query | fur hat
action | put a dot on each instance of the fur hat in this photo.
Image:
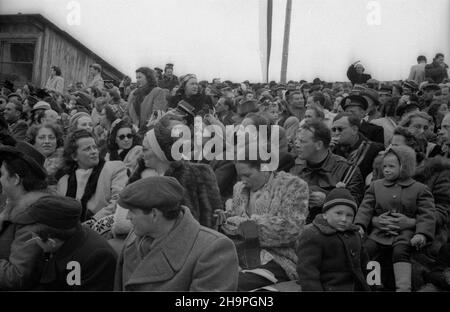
(339, 196)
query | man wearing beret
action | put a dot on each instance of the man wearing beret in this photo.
(168, 250)
(65, 242)
(23, 181)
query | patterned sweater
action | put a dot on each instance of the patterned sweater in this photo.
(280, 209)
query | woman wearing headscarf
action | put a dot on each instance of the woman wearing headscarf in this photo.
(146, 98)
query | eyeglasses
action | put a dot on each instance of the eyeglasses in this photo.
(123, 136)
(339, 129)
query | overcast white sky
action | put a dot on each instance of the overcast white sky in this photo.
(220, 38)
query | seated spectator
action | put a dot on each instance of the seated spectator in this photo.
(324, 263)
(63, 241)
(96, 183)
(48, 140)
(122, 145)
(278, 203)
(168, 250)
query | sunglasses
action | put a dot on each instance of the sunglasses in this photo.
(340, 129)
(123, 136)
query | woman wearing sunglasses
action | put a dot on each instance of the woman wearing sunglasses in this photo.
(123, 145)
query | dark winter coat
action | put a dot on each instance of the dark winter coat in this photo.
(329, 260)
(356, 78)
(436, 72)
(366, 165)
(333, 170)
(435, 173)
(372, 132)
(202, 193)
(97, 261)
(226, 177)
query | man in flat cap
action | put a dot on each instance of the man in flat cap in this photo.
(357, 104)
(168, 250)
(429, 91)
(168, 80)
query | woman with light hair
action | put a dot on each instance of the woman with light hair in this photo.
(419, 124)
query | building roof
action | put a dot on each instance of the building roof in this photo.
(33, 18)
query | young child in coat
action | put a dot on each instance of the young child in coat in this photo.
(329, 250)
(397, 193)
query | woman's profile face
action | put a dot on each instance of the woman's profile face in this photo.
(141, 80)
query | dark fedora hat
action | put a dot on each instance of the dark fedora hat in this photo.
(27, 153)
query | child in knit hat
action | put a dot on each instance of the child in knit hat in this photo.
(395, 195)
(329, 250)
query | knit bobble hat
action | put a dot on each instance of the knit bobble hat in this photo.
(339, 196)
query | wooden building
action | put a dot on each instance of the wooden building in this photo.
(30, 44)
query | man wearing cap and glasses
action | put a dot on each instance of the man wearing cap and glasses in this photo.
(168, 80)
(23, 181)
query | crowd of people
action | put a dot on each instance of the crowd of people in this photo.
(88, 176)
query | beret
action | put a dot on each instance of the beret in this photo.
(164, 193)
(56, 211)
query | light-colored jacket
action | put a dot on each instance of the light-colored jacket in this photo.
(190, 258)
(96, 82)
(389, 125)
(417, 73)
(55, 84)
(280, 211)
(111, 182)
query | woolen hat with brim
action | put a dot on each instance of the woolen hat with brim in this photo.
(58, 212)
(337, 197)
(354, 100)
(164, 193)
(27, 153)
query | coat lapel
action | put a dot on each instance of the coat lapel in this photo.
(168, 256)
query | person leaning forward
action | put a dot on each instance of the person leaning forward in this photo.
(168, 250)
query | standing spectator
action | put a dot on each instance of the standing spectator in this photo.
(296, 105)
(437, 71)
(168, 80)
(16, 126)
(55, 82)
(95, 79)
(355, 74)
(168, 250)
(146, 99)
(417, 72)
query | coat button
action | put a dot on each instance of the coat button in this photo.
(395, 196)
(353, 253)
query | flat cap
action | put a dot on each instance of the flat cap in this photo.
(164, 193)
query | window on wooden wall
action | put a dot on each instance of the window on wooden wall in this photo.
(16, 60)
